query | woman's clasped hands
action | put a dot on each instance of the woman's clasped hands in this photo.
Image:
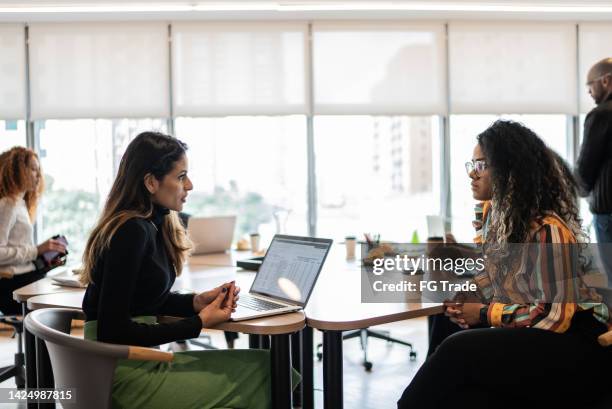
(464, 314)
(216, 306)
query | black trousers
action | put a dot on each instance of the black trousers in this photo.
(440, 328)
(514, 368)
(8, 306)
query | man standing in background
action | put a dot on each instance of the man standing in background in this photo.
(594, 167)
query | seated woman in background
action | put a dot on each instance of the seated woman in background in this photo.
(131, 261)
(543, 350)
(21, 185)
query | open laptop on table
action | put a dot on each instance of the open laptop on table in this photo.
(286, 277)
(211, 234)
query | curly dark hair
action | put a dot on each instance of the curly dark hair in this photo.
(528, 182)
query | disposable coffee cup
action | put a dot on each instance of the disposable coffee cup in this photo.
(254, 242)
(350, 243)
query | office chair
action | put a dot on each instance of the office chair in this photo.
(17, 370)
(363, 335)
(72, 358)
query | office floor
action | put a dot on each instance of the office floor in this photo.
(380, 388)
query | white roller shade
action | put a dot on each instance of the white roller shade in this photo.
(12, 72)
(506, 68)
(99, 70)
(239, 68)
(595, 44)
(379, 68)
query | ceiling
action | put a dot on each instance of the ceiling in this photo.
(69, 10)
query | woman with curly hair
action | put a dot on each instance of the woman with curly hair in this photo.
(545, 321)
(21, 186)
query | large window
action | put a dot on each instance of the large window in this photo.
(377, 175)
(79, 160)
(377, 168)
(253, 167)
(463, 131)
(12, 133)
(241, 93)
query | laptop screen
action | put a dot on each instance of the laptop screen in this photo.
(291, 267)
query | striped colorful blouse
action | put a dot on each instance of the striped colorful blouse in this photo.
(556, 310)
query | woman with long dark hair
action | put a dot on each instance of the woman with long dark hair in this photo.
(542, 350)
(21, 262)
(131, 260)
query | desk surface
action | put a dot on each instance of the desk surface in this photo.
(43, 286)
(227, 259)
(194, 278)
(278, 324)
(195, 264)
(185, 282)
(336, 303)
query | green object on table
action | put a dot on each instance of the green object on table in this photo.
(415, 237)
(216, 379)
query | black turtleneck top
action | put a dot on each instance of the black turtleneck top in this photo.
(133, 278)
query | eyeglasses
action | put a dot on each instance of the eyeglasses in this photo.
(594, 80)
(478, 166)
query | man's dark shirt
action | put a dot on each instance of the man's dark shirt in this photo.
(594, 167)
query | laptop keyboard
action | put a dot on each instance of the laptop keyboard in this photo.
(258, 304)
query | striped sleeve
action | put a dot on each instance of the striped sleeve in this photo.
(554, 276)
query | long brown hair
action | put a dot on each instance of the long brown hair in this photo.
(149, 153)
(15, 177)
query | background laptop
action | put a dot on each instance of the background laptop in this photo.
(211, 234)
(286, 277)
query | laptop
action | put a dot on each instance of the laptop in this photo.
(211, 234)
(286, 277)
(67, 276)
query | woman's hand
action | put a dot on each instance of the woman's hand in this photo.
(58, 261)
(454, 311)
(201, 300)
(51, 245)
(220, 309)
(465, 315)
(471, 313)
